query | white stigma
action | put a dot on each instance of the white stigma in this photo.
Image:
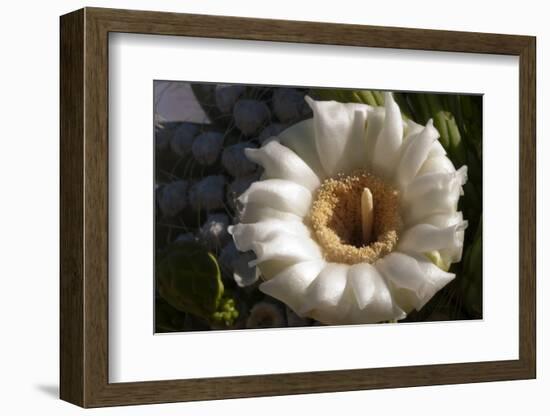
(367, 214)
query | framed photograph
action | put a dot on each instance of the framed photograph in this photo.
(256, 207)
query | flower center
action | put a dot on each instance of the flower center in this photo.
(355, 218)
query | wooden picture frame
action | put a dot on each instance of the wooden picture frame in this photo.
(84, 207)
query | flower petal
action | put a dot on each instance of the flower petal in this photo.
(245, 235)
(438, 163)
(388, 144)
(434, 193)
(339, 134)
(373, 298)
(444, 220)
(435, 181)
(252, 213)
(452, 254)
(414, 154)
(423, 238)
(410, 128)
(280, 162)
(300, 138)
(278, 194)
(289, 285)
(437, 150)
(413, 279)
(284, 247)
(375, 122)
(322, 300)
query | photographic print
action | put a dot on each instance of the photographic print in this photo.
(248, 203)
(280, 206)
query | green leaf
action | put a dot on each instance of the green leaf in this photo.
(189, 279)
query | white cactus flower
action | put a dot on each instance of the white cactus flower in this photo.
(207, 147)
(351, 207)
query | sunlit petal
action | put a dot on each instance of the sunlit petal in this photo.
(451, 254)
(322, 299)
(430, 194)
(410, 129)
(285, 247)
(375, 122)
(414, 154)
(289, 285)
(438, 163)
(413, 279)
(372, 295)
(280, 162)
(279, 194)
(300, 138)
(388, 144)
(246, 234)
(423, 238)
(251, 213)
(339, 134)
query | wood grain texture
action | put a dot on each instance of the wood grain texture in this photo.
(84, 207)
(527, 208)
(72, 367)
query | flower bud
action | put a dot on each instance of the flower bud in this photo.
(238, 186)
(294, 320)
(207, 146)
(265, 315)
(227, 95)
(163, 135)
(172, 198)
(182, 139)
(186, 238)
(250, 116)
(289, 105)
(227, 256)
(235, 161)
(235, 264)
(208, 193)
(270, 131)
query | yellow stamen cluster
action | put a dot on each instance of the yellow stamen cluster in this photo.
(336, 218)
